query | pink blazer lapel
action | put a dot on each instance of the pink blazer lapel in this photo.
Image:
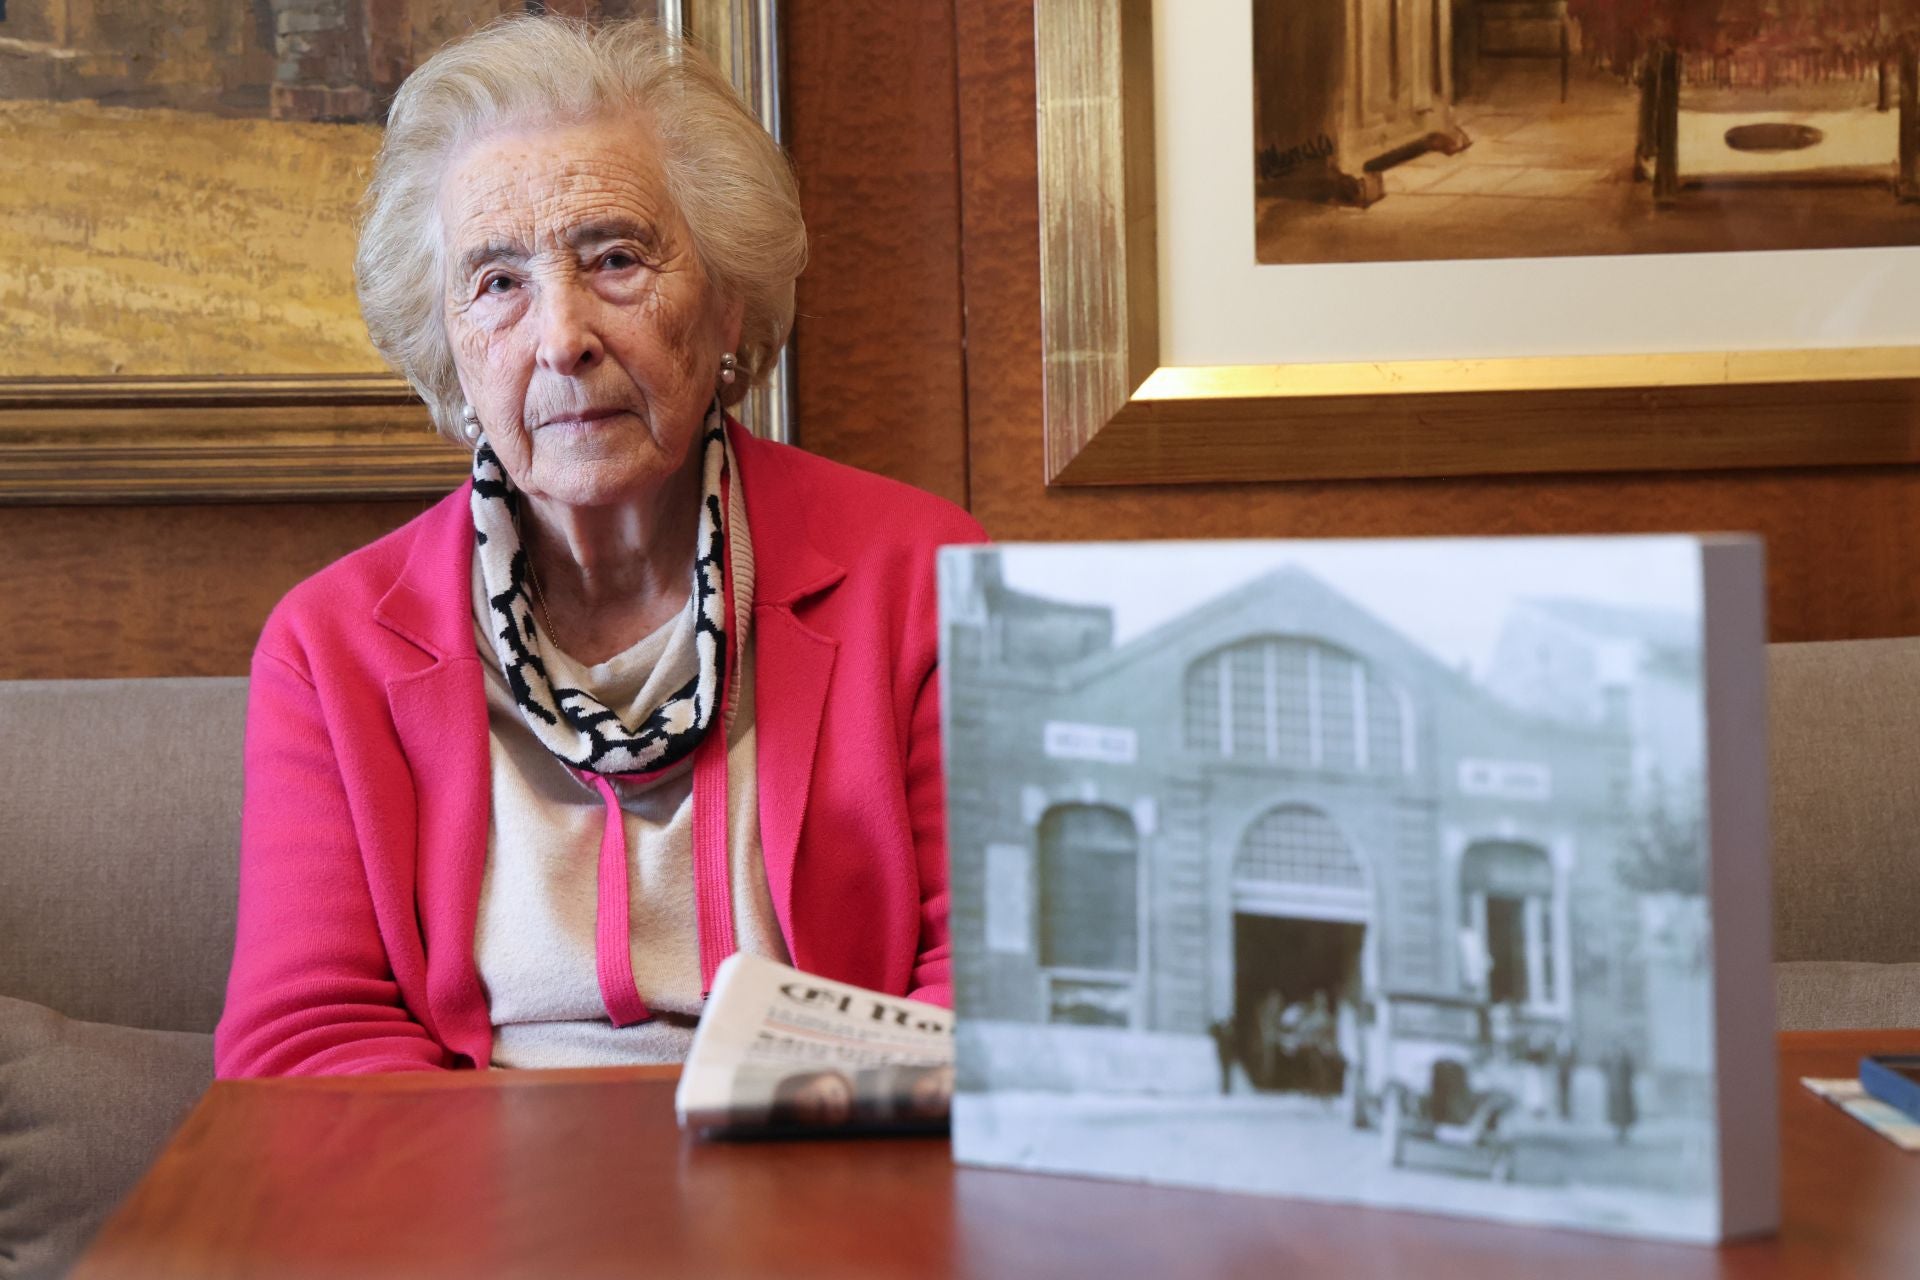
(792, 662)
(440, 715)
(792, 665)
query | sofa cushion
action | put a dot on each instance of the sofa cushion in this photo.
(84, 1109)
(1846, 799)
(1828, 995)
(118, 871)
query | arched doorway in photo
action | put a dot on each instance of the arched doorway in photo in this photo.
(1302, 904)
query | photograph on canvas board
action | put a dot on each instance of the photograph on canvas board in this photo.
(1371, 872)
(1396, 130)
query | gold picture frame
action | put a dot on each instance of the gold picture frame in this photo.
(348, 435)
(1116, 414)
(103, 440)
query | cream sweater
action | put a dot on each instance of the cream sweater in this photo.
(535, 937)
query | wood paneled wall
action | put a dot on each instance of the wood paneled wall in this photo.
(879, 356)
(917, 355)
(162, 590)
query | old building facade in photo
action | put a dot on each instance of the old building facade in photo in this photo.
(1273, 800)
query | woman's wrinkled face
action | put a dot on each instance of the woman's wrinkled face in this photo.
(584, 329)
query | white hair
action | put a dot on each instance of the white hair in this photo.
(733, 185)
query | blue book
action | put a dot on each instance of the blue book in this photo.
(1895, 1080)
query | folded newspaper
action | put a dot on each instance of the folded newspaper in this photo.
(781, 1051)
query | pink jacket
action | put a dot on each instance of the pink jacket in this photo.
(364, 833)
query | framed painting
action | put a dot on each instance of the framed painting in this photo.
(1311, 239)
(178, 183)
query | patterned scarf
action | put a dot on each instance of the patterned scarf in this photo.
(570, 722)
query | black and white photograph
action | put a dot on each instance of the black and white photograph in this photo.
(1357, 871)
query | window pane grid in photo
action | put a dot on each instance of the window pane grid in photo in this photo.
(1296, 703)
(1339, 742)
(1203, 705)
(1386, 737)
(1292, 700)
(1249, 675)
(1297, 845)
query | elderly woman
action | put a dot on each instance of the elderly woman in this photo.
(646, 690)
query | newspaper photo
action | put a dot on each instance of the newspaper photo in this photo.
(779, 1051)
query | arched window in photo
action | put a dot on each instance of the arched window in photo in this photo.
(1297, 845)
(1299, 704)
(1090, 913)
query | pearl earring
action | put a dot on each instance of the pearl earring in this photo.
(729, 369)
(471, 416)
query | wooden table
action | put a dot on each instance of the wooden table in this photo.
(582, 1173)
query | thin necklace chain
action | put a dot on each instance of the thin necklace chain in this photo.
(540, 595)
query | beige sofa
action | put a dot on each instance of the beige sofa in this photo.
(1844, 731)
(118, 825)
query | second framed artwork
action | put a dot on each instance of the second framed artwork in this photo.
(1444, 237)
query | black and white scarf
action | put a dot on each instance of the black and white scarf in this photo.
(570, 722)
